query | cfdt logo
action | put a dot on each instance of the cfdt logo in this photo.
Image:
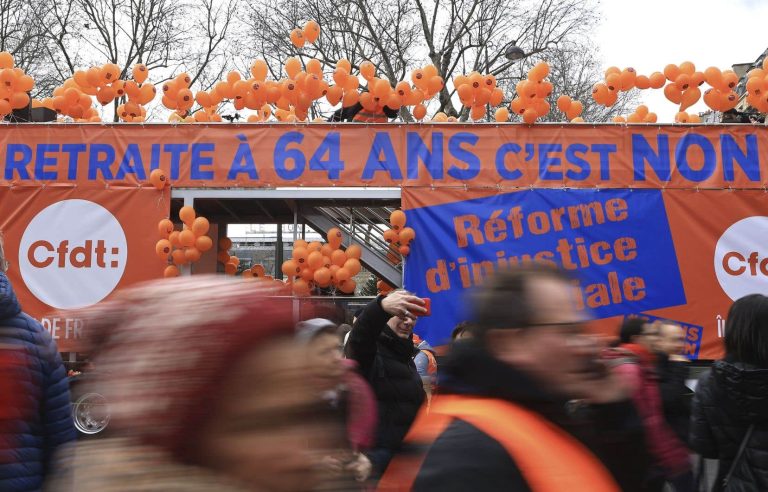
(73, 254)
(741, 258)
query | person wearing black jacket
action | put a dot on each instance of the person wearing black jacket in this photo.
(672, 369)
(381, 342)
(730, 407)
(527, 366)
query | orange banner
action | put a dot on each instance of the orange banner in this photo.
(70, 248)
(429, 155)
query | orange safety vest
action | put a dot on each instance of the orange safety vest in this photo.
(363, 116)
(550, 459)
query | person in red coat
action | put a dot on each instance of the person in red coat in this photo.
(634, 362)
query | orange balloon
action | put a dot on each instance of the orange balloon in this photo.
(314, 246)
(192, 254)
(367, 70)
(297, 38)
(501, 115)
(203, 243)
(671, 72)
(397, 219)
(326, 250)
(230, 269)
(348, 286)
(419, 112)
(171, 271)
(158, 179)
(290, 268)
(225, 243)
(673, 93)
(6, 60)
(642, 82)
(187, 238)
(657, 80)
(173, 237)
(689, 98)
(307, 274)
(563, 103)
(334, 236)
(574, 110)
(178, 257)
(163, 248)
(407, 235)
(234, 259)
(466, 94)
(342, 275)
(315, 260)
(354, 251)
(539, 72)
(529, 116)
(165, 228)
(301, 287)
(222, 257)
(353, 266)
(257, 270)
(200, 226)
(391, 236)
(338, 257)
(404, 250)
(322, 277)
(140, 73)
(187, 215)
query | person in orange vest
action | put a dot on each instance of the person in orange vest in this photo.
(524, 404)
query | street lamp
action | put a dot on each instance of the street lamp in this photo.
(514, 52)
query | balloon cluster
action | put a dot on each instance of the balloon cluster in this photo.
(639, 115)
(181, 247)
(310, 33)
(14, 85)
(230, 262)
(757, 87)
(571, 108)
(476, 91)
(398, 237)
(532, 93)
(616, 80)
(323, 265)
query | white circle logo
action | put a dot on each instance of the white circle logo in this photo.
(73, 254)
(741, 258)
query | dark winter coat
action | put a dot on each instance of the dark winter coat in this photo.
(465, 458)
(729, 398)
(41, 421)
(386, 361)
(676, 397)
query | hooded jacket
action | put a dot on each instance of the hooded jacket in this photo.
(729, 398)
(634, 364)
(465, 458)
(40, 421)
(386, 361)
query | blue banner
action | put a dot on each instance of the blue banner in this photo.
(616, 242)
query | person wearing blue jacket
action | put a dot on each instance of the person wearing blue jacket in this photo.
(36, 417)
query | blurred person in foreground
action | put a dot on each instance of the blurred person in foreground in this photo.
(524, 405)
(35, 413)
(461, 331)
(348, 396)
(381, 342)
(207, 390)
(730, 408)
(634, 362)
(672, 367)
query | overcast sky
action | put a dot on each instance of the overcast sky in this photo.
(650, 34)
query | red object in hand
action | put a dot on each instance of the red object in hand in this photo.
(427, 306)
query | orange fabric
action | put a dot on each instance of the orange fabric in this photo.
(549, 458)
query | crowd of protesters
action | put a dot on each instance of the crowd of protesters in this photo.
(211, 386)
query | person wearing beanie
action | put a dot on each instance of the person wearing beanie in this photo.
(207, 391)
